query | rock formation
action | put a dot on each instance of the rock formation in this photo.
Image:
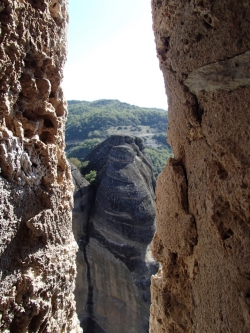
(37, 244)
(83, 201)
(114, 261)
(203, 193)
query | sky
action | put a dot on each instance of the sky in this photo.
(112, 54)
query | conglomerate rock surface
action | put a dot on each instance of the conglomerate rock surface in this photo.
(202, 195)
(114, 261)
(37, 263)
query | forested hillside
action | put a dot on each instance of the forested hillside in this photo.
(87, 117)
(89, 123)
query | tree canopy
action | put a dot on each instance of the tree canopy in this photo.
(85, 117)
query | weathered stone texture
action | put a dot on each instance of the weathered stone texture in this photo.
(37, 245)
(202, 195)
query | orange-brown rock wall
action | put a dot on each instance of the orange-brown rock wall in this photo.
(37, 248)
(202, 196)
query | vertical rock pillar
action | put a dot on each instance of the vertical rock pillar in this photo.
(203, 194)
(37, 246)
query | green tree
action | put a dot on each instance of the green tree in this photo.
(83, 149)
(159, 158)
(161, 137)
(76, 162)
(91, 176)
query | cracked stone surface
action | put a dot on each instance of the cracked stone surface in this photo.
(222, 75)
(202, 195)
(38, 250)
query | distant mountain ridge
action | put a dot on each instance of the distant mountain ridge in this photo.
(105, 102)
(89, 123)
(99, 115)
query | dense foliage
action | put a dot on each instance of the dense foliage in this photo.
(82, 149)
(91, 176)
(159, 157)
(87, 117)
(161, 138)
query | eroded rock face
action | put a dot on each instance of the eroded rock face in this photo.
(37, 245)
(114, 250)
(202, 195)
(83, 201)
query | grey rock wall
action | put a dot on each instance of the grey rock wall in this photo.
(117, 264)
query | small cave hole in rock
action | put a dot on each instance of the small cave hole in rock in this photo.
(221, 171)
(199, 37)
(48, 123)
(30, 115)
(160, 321)
(227, 234)
(36, 322)
(207, 25)
(200, 3)
(28, 133)
(38, 4)
(47, 137)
